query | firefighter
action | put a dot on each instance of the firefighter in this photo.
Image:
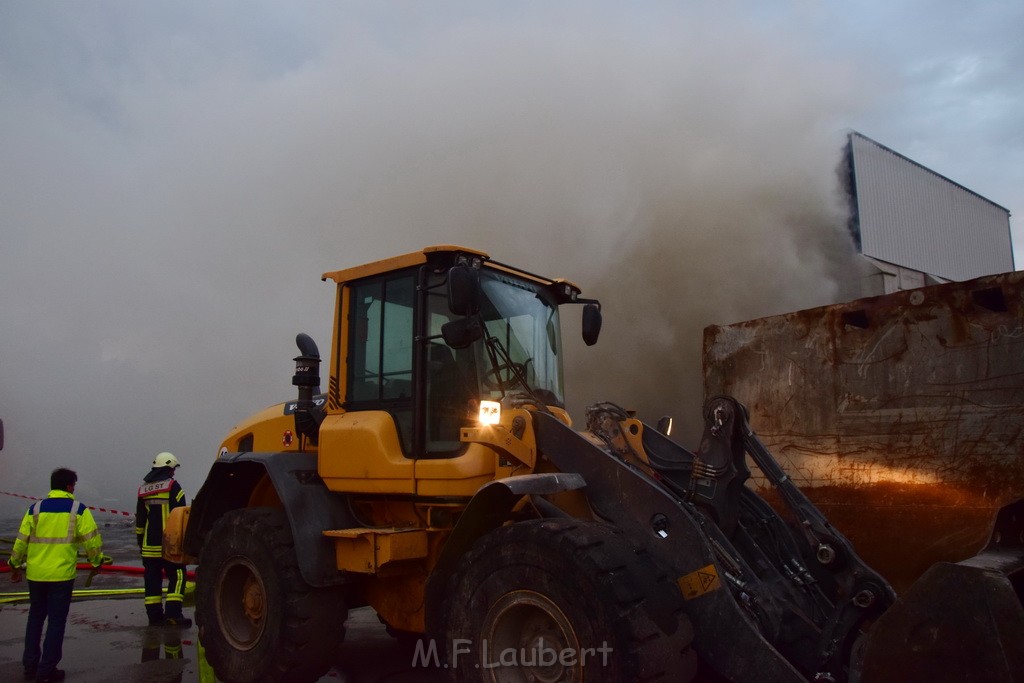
(159, 494)
(47, 547)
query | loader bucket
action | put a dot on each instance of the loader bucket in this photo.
(958, 622)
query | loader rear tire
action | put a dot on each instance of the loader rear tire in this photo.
(258, 619)
(564, 600)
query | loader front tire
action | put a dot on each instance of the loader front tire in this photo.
(258, 619)
(564, 600)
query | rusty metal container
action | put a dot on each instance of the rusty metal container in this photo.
(901, 416)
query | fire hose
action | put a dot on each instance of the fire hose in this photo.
(87, 591)
(108, 569)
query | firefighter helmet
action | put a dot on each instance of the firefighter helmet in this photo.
(165, 459)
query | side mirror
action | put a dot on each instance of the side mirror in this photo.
(591, 323)
(463, 290)
(460, 333)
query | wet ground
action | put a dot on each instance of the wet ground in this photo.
(108, 638)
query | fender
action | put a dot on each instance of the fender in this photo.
(311, 508)
(489, 508)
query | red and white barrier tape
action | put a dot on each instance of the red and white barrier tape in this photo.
(98, 509)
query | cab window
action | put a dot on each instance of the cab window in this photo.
(451, 377)
(380, 349)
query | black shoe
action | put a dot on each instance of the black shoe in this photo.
(55, 675)
(182, 622)
(156, 620)
(30, 674)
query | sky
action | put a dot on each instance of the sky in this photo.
(175, 177)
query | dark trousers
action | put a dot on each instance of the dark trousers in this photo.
(153, 580)
(49, 601)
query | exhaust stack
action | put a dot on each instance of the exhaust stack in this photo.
(307, 378)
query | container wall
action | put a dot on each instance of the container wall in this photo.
(902, 416)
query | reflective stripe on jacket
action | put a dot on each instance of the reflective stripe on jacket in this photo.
(156, 500)
(50, 534)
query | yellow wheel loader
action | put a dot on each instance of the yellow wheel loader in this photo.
(440, 480)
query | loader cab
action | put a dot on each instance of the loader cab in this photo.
(419, 343)
(399, 358)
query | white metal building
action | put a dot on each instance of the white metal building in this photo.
(917, 227)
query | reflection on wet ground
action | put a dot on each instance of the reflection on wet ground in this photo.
(108, 638)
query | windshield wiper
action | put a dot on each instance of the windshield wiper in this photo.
(505, 373)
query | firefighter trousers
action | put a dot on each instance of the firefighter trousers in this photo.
(153, 579)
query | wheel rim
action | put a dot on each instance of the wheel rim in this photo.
(529, 639)
(241, 604)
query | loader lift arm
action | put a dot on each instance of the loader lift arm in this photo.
(684, 541)
(960, 621)
(862, 591)
(791, 615)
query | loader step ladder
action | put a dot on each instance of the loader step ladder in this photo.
(367, 551)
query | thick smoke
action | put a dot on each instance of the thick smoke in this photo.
(171, 196)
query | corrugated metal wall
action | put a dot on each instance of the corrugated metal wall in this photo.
(910, 216)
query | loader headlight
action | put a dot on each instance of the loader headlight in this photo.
(490, 412)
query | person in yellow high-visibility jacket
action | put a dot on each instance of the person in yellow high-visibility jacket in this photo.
(47, 548)
(159, 494)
